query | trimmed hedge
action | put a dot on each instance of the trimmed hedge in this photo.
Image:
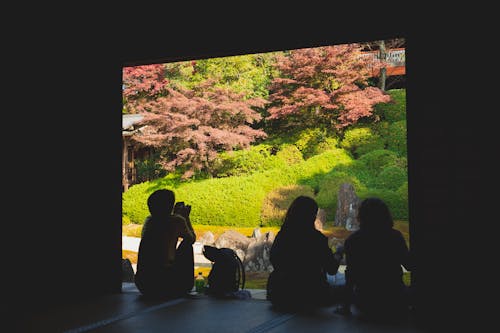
(232, 201)
(277, 201)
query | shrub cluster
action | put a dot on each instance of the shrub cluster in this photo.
(254, 187)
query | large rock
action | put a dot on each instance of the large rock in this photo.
(347, 208)
(233, 240)
(207, 238)
(257, 256)
(320, 219)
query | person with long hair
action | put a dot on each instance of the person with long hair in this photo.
(375, 255)
(301, 260)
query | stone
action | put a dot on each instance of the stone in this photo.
(256, 233)
(207, 238)
(257, 256)
(320, 219)
(347, 208)
(233, 240)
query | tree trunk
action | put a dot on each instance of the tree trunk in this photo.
(382, 56)
(125, 163)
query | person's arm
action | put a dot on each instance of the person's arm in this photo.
(186, 231)
(183, 230)
(332, 260)
(190, 226)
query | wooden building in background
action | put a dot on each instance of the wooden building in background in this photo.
(129, 150)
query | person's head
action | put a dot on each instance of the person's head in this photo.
(301, 214)
(374, 214)
(161, 202)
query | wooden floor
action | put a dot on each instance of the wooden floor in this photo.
(129, 312)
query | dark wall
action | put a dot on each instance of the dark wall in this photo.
(66, 226)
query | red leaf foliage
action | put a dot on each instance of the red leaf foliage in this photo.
(142, 81)
(326, 85)
(191, 126)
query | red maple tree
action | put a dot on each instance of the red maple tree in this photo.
(324, 86)
(190, 127)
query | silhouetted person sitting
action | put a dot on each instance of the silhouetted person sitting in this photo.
(375, 255)
(163, 269)
(301, 260)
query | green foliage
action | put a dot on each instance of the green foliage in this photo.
(256, 159)
(396, 137)
(148, 169)
(249, 74)
(361, 140)
(391, 178)
(246, 161)
(255, 186)
(244, 200)
(290, 154)
(377, 160)
(403, 191)
(126, 220)
(134, 205)
(314, 141)
(382, 128)
(237, 200)
(396, 109)
(398, 205)
(277, 202)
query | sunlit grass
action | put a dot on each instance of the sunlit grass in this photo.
(134, 230)
(130, 255)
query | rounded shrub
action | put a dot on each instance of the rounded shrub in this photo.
(403, 191)
(289, 154)
(391, 178)
(245, 161)
(315, 141)
(328, 144)
(398, 205)
(396, 137)
(395, 110)
(361, 140)
(377, 160)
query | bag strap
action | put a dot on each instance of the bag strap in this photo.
(241, 271)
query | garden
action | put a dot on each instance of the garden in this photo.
(238, 138)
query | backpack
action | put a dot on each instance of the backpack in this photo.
(227, 276)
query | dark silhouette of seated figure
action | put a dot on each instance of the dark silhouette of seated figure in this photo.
(374, 257)
(301, 259)
(163, 269)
